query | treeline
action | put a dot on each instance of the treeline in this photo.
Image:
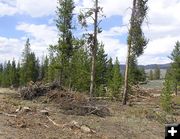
(108, 81)
(16, 74)
(30, 68)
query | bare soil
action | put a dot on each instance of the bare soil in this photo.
(139, 120)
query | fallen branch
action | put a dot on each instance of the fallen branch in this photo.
(54, 123)
(7, 114)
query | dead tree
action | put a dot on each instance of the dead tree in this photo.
(95, 14)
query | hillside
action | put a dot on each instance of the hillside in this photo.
(151, 66)
(163, 68)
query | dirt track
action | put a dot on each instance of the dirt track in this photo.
(126, 122)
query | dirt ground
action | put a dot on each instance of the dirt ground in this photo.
(138, 120)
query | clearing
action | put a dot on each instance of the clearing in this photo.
(23, 119)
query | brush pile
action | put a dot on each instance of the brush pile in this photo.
(73, 103)
(33, 90)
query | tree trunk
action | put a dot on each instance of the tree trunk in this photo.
(92, 76)
(94, 49)
(126, 85)
(125, 93)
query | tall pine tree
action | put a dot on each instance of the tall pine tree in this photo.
(64, 49)
(136, 40)
(175, 66)
(29, 70)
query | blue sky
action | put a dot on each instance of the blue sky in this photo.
(22, 19)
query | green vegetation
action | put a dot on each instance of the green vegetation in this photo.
(172, 79)
(70, 63)
(166, 95)
(157, 73)
(151, 75)
(175, 66)
(116, 82)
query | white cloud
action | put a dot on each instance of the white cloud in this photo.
(115, 31)
(43, 32)
(114, 47)
(7, 9)
(162, 31)
(115, 7)
(41, 36)
(161, 46)
(37, 8)
(34, 8)
(146, 60)
(10, 48)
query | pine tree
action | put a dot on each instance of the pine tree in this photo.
(53, 68)
(116, 82)
(101, 71)
(151, 77)
(133, 71)
(18, 73)
(142, 75)
(32, 68)
(52, 72)
(14, 75)
(157, 73)
(175, 57)
(64, 49)
(6, 80)
(24, 63)
(109, 74)
(136, 40)
(81, 70)
(166, 95)
(44, 68)
(29, 70)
